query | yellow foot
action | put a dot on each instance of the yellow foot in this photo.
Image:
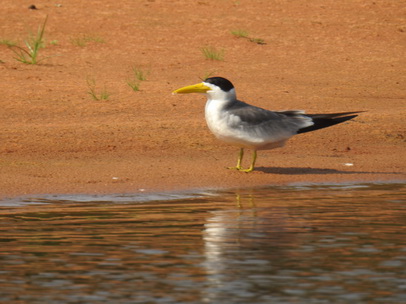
(235, 168)
(247, 170)
(241, 169)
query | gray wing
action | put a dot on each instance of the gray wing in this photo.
(270, 125)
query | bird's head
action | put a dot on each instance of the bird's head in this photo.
(216, 88)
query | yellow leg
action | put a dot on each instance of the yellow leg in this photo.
(239, 161)
(254, 158)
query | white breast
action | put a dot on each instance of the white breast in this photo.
(224, 126)
(217, 119)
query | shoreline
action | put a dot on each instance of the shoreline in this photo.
(141, 192)
(169, 195)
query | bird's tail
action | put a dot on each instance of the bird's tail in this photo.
(322, 121)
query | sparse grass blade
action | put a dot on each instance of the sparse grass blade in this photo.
(213, 53)
(240, 33)
(257, 40)
(103, 95)
(133, 84)
(138, 75)
(91, 83)
(207, 75)
(244, 34)
(33, 44)
(7, 42)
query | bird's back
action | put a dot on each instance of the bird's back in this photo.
(249, 126)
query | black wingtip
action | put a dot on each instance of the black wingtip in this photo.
(322, 121)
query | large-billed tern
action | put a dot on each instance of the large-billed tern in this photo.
(246, 126)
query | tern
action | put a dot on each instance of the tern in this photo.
(247, 126)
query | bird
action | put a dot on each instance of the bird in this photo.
(250, 127)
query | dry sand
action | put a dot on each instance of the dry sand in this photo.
(319, 56)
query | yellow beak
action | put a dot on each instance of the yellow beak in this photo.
(196, 88)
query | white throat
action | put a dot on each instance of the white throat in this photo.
(218, 94)
(216, 118)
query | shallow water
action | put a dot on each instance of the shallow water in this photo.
(303, 244)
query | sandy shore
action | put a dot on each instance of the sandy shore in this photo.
(55, 138)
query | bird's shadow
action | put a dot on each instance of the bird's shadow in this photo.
(304, 170)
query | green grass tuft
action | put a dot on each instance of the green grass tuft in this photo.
(103, 95)
(213, 53)
(7, 42)
(139, 74)
(240, 33)
(33, 44)
(134, 85)
(244, 34)
(136, 78)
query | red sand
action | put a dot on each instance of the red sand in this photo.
(319, 56)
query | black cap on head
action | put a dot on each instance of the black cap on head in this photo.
(221, 82)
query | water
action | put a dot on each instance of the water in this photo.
(303, 244)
